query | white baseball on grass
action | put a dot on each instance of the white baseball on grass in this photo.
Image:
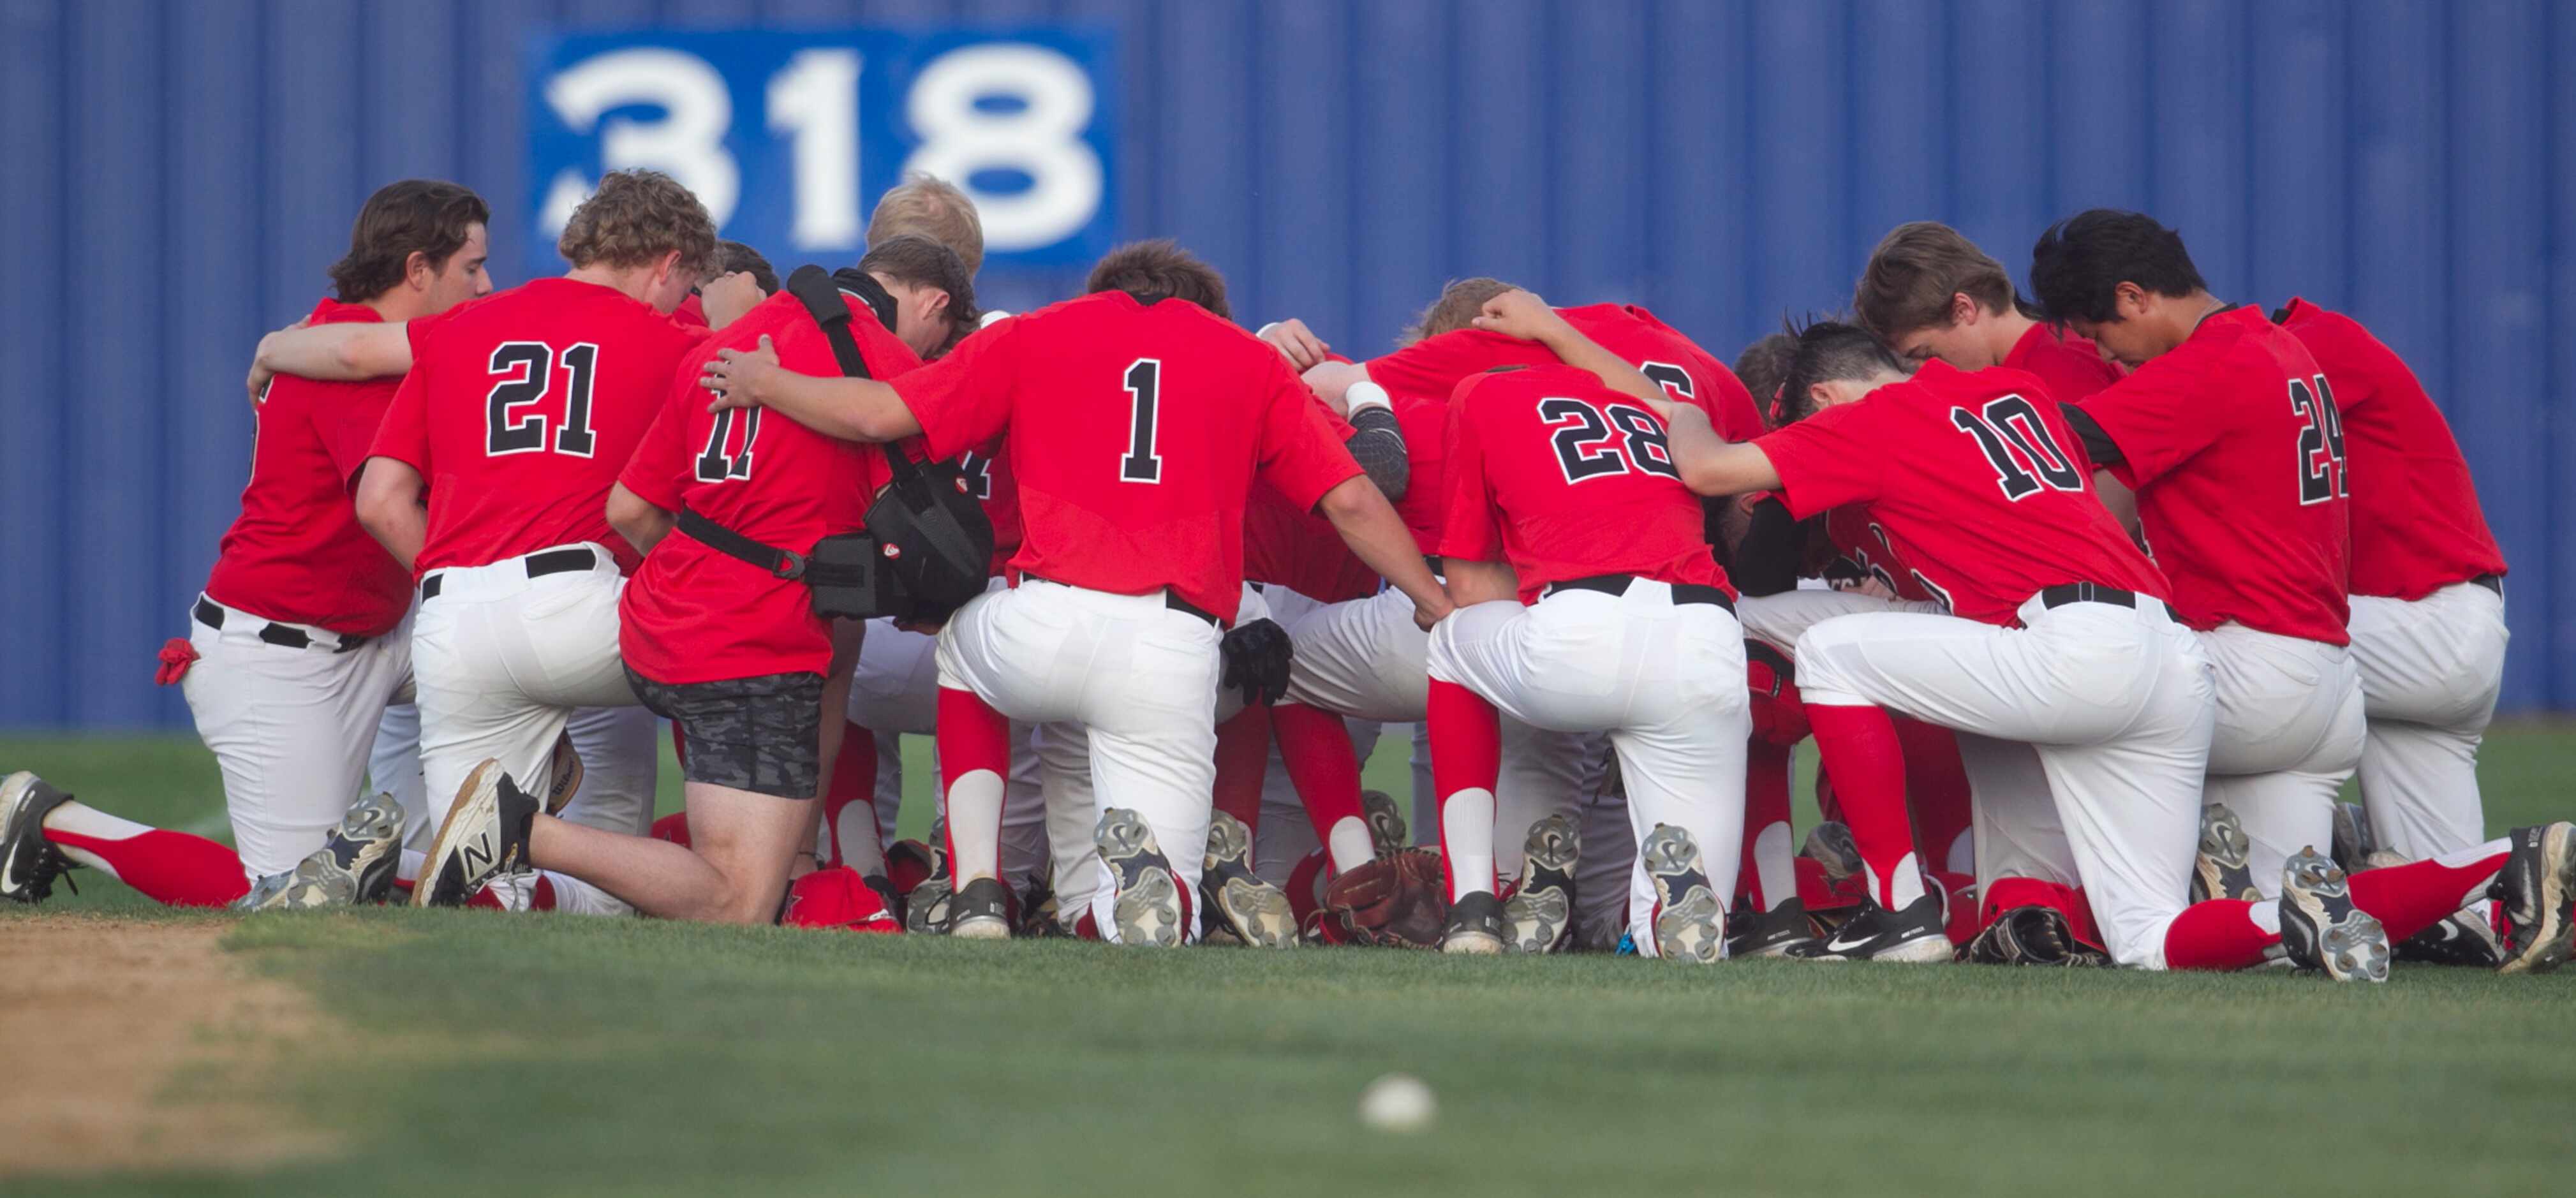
(1398, 1102)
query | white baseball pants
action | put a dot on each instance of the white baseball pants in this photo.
(2430, 670)
(2289, 734)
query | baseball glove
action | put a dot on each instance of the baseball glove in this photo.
(1393, 902)
(1256, 661)
(2033, 936)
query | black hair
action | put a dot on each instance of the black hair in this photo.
(2077, 265)
(732, 256)
(1828, 351)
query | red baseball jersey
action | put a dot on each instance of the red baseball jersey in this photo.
(520, 409)
(2070, 367)
(1565, 478)
(2416, 523)
(297, 553)
(2236, 452)
(1284, 545)
(1435, 365)
(1978, 482)
(1858, 538)
(1136, 432)
(693, 614)
(988, 473)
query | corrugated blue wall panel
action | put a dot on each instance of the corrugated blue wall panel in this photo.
(184, 170)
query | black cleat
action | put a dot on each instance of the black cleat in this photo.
(2354, 842)
(484, 836)
(1475, 926)
(1914, 935)
(1539, 917)
(2320, 927)
(2221, 870)
(1147, 907)
(980, 910)
(2538, 887)
(1782, 931)
(29, 863)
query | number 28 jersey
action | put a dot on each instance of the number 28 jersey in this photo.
(1564, 478)
(520, 409)
(1135, 433)
(1977, 482)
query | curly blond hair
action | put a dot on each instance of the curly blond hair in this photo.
(636, 217)
(1457, 308)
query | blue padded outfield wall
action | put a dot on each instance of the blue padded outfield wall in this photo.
(177, 175)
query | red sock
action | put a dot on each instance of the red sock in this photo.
(1466, 761)
(1322, 765)
(173, 868)
(973, 738)
(679, 745)
(2218, 934)
(541, 897)
(2409, 898)
(1860, 750)
(673, 827)
(1936, 788)
(854, 780)
(2004, 894)
(1242, 756)
(1766, 805)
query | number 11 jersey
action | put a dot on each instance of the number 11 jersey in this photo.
(1135, 433)
(1978, 482)
(520, 409)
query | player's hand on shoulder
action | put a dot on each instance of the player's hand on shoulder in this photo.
(737, 376)
(726, 297)
(1296, 342)
(260, 374)
(1518, 313)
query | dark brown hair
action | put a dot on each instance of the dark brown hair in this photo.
(1459, 304)
(1763, 366)
(430, 217)
(931, 207)
(636, 217)
(1914, 272)
(923, 262)
(1160, 270)
(734, 256)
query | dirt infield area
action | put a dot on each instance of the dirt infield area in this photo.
(143, 1046)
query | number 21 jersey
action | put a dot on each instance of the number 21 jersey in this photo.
(520, 409)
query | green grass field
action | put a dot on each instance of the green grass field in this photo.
(573, 1056)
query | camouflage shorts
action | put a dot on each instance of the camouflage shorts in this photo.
(761, 734)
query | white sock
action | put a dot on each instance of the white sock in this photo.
(1774, 863)
(1467, 839)
(1904, 889)
(1350, 844)
(975, 826)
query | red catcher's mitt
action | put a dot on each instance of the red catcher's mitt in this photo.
(1393, 902)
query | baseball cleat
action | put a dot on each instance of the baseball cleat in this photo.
(2220, 871)
(354, 865)
(1147, 909)
(2354, 843)
(2463, 938)
(29, 863)
(1038, 903)
(1475, 926)
(1830, 844)
(1236, 902)
(980, 910)
(2538, 886)
(925, 910)
(1913, 935)
(484, 836)
(2033, 935)
(1782, 931)
(1387, 833)
(1690, 926)
(1539, 917)
(2321, 929)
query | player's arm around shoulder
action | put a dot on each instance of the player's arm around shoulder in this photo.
(1711, 465)
(851, 409)
(345, 352)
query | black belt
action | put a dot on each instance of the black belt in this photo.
(1438, 566)
(211, 614)
(1617, 584)
(1171, 600)
(2089, 592)
(2492, 582)
(552, 561)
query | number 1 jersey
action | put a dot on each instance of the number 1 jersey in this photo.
(1135, 433)
(520, 409)
(1977, 481)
